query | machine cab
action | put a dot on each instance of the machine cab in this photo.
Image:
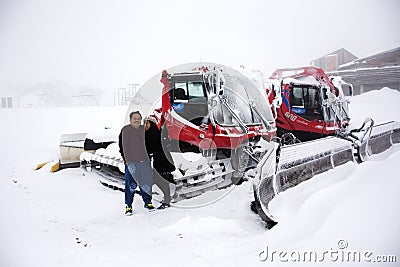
(305, 101)
(189, 97)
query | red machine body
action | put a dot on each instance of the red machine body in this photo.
(306, 103)
(203, 111)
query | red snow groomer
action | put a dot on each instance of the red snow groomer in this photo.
(210, 109)
(314, 108)
(215, 122)
(307, 103)
(217, 113)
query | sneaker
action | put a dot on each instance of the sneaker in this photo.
(128, 210)
(163, 206)
(149, 206)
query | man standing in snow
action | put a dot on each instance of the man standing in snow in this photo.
(137, 163)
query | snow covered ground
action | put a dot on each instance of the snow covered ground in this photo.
(67, 219)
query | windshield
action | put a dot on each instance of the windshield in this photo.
(238, 94)
(306, 101)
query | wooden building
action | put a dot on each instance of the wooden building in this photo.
(368, 73)
(333, 60)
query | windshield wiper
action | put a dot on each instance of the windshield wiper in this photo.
(253, 107)
(236, 116)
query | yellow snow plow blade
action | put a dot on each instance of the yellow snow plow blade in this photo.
(55, 167)
(40, 165)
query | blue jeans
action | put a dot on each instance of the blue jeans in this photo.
(138, 173)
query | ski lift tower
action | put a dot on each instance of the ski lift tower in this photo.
(124, 95)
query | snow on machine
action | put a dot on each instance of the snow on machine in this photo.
(215, 122)
(311, 107)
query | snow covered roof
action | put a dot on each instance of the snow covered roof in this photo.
(305, 80)
(387, 58)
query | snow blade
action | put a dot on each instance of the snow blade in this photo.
(298, 163)
(379, 138)
(302, 161)
(265, 193)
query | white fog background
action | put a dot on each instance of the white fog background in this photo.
(96, 47)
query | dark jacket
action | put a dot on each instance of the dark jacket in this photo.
(162, 159)
(131, 144)
(121, 149)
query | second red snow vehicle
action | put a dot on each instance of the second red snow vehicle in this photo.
(307, 103)
(214, 120)
(314, 108)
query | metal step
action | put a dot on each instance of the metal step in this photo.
(216, 175)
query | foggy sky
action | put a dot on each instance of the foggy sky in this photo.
(108, 44)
